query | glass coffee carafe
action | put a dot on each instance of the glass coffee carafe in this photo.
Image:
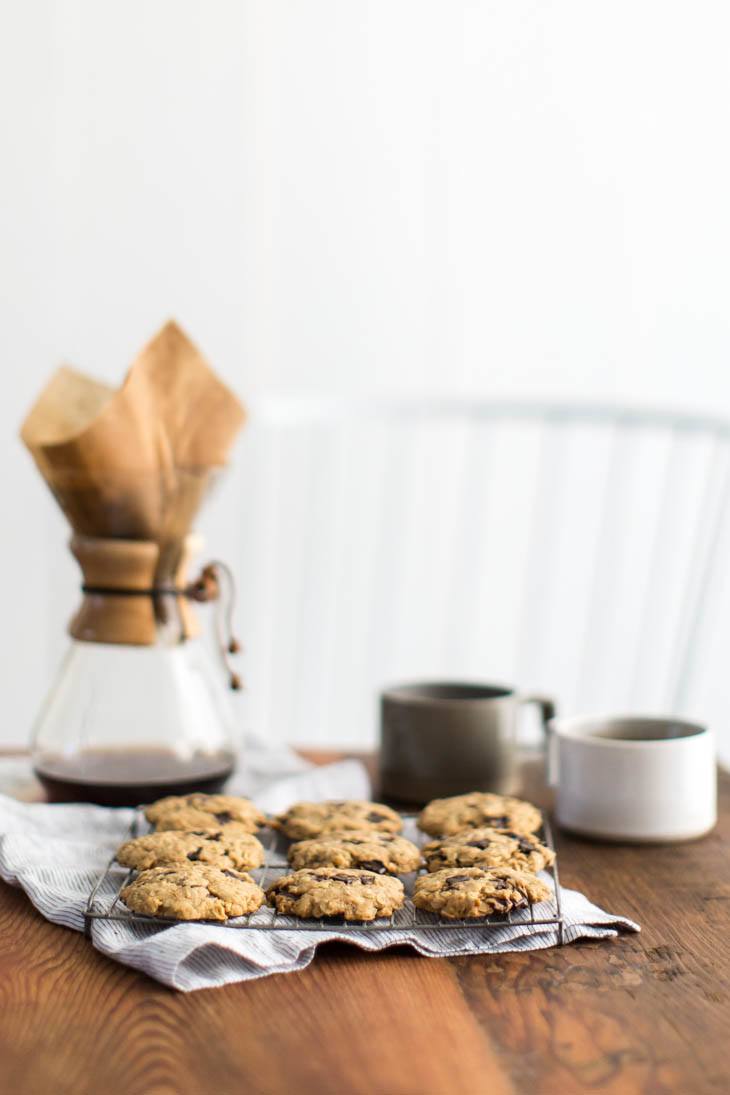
(139, 708)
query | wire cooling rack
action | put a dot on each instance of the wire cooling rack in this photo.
(104, 902)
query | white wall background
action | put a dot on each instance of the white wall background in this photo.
(407, 196)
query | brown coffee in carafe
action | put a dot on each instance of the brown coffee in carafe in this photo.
(114, 778)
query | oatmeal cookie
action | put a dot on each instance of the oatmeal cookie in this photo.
(309, 819)
(327, 891)
(486, 847)
(198, 811)
(445, 816)
(472, 892)
(193, 892)
(383, 853)
(215, 847)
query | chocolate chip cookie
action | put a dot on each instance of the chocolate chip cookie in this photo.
(198, 811)
(383, 853)
(472, 892)
(193, 892)
(327, 891)
(445, 816)
(309, 819)
(485, 847)
(215, 847)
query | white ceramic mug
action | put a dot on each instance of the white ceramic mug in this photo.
(633, 778)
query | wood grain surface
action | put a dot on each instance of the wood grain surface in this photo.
(644, 1013)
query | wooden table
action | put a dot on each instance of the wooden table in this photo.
(644, 1013)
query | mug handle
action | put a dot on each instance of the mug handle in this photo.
(548, 711)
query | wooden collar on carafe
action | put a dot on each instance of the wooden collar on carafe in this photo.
(134, 590)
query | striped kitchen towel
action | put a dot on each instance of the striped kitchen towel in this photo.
(56, 853)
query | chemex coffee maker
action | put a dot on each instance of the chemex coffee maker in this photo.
(139, 708)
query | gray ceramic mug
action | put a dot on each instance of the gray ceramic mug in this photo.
(445, 739)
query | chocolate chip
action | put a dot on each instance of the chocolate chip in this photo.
(373, 865)
(453, 881)
(523, 842)
(374, 817)
(478, 844)
(498, 822)
(223, 817)
(195, 856)
(525, 846)
(350, 880)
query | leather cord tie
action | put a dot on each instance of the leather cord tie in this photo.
(214, 583)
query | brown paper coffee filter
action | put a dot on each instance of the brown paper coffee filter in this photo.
(135, 463)
(130, 468)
